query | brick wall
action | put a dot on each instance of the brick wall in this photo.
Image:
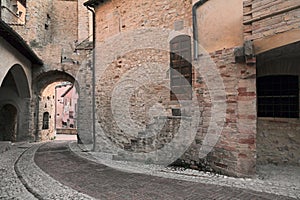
(272, 25)
(235, 150)
(264, 18)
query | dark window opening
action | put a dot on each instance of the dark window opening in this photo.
(46, 120)
(23, 2)
(181, 68)
(71, 114)
(278, 96)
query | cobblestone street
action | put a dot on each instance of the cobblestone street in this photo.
(53, 171)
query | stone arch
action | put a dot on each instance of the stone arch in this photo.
(8, 123)
(15, 96)
(46, 78)
(17, 74)
(41, 82)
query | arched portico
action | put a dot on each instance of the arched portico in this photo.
(14, 105)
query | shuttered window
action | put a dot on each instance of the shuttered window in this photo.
(181, 68)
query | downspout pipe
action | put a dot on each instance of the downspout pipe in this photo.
(195, 27)
(93, 79)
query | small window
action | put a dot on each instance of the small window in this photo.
(46, 120)
(180, 63)
(278, 96)
(71, 114)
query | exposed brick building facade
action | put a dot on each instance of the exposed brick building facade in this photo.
(229, 37)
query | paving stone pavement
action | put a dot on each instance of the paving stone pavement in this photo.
(21, 178)
(280, 180)
(103, 182)
(40, 184)
(11, 186)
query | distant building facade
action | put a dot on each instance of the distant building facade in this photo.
(66, 108)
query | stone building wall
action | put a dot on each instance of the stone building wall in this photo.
(51, 29)
(47, 105)
(84, 20)
(136, 118)
(13, 12)
(38, 15)
(278, 141)
(121, 16)
(274, 28)
(55, 30)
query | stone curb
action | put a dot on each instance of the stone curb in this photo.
(11, 186)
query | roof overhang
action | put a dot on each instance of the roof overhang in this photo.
(15, 40)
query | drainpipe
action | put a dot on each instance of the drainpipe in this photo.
(93, 79)
(195, 27)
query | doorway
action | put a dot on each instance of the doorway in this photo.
(8, 123)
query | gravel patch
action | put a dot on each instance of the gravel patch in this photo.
(270, 179)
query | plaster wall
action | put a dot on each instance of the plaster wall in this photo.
(220, 24)
(13, 57)
(21, 98)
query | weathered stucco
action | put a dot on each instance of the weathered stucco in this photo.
(220, 24)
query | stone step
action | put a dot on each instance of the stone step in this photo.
(5, 146)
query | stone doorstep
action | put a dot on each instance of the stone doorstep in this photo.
(5, 146)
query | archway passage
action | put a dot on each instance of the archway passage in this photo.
(15, 99)
(8, 123)
(57, 105)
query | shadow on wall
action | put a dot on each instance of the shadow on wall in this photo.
(8, 123)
